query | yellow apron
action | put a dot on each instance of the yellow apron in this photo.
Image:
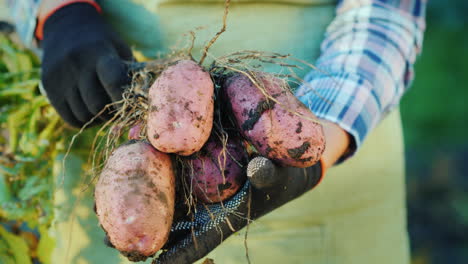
(357, 214)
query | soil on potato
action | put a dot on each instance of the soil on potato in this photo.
(255, 114)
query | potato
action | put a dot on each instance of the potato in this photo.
(218, 174)
(286, 131)
(180, 116)
(134, 199)
(135, 131)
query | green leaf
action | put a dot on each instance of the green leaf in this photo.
(10, 62)
(5, 194)
(16, 247)
(24, 61)
(24, 158)
(16, 211)
(7, 48)
(9, 75)
(11, 171)
(4, 259)
(46, 246)
(14, 91)
(34, 186)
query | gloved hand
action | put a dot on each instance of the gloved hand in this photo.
(83, 65)
(269, 187)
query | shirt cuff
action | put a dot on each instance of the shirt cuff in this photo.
(345, 99)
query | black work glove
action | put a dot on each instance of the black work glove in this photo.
(268, 188)
(83, 65)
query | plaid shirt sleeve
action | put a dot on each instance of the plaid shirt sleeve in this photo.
(24, 13)
(366, 63)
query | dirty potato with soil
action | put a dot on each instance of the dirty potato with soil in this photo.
(218, 171)
(274, 121)
(181, 106)
(135, 199)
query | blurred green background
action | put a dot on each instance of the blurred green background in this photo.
(435, 120)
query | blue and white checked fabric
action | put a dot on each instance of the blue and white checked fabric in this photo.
(365, 67)
(366, 63)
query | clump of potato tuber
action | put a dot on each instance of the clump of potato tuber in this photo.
(273, 120)
(218, 171)
(175, 114)
(180, 115)
(134, 199)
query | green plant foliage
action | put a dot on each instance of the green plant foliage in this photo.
(30, 133)
(33, 143)
(46, 244)
(31, 137)
(13, 249)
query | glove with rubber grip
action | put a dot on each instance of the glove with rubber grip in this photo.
(83, 65)
(191, 240)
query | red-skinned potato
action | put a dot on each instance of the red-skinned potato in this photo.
(285, 131)
(218, 174)
(134, 199)
(135, 131)
(180, 117)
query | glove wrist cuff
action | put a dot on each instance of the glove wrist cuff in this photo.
(39, 33)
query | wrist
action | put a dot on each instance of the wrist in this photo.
(337, 143)
(49, 7)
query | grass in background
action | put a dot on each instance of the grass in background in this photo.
(435, 121)
(435, 109)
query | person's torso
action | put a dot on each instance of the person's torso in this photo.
(294, 27)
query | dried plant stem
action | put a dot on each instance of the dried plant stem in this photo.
(221, 31)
